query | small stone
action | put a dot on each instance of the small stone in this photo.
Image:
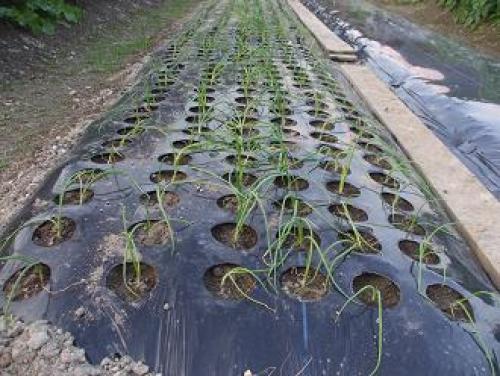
(140, 369)
(5, 360)
(38, 339)
(80, 312)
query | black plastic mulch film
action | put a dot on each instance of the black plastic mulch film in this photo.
(258, 273)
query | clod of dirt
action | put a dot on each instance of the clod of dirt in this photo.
(347, 211)
(133, 283)
(228, 281)
(304, 284)
(415, 250)
(450, 302)
(54, 231)
(167, 176)
(175, 158)
(385, 180)
(360, 241)
(292, 205)
(343, 189)
(290, 182)
(406, 223)
(228, 234)
(167, 198)
(108, 158)
(389, 291)
(27, 282)
(396, 202)
(77, 196)
(151, 233)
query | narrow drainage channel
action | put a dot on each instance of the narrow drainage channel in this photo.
(240, 209)
(453, 89)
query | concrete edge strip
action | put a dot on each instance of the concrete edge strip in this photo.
(330, 42)
(475, 211)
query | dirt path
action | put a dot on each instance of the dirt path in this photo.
(485, 38)
(66, 81)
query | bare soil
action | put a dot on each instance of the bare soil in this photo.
(66, 81)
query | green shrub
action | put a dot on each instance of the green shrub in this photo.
(40, 16)
(473, 12)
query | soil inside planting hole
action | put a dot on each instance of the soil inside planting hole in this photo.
(446, 299)
(330, 150)
(289, 161)
(385, 180)
(181, 144)
(167, 176)
(228, 281)
(244, 179)
(117, 143)
(27, 282)
(407, 224)
(293, 183)
(284, 121)
(322, 124)
(178, 159)
(228, 202)
(134, 283)
(372, 148)
(347, 211)
(291, 205)
(151, 233)
(77, 196)
(377, 161)
(334, 166)
(397, 202)
(324, 137)
(87, 176)
(346, 189)
(168, 198)
(412, 249)
(389, 291)
(299, 238)
(196, 130)
(107, 158)
(245, 160)
(225, 233)
(360, 241)
(304, 284)
(54, 231)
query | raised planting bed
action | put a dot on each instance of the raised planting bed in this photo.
(240, 209)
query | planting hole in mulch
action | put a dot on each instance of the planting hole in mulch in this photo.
(117, 143)
(396, 202)
(291, 132)
(284, 121)
(130, 131)
(195, 119)
(372, 148)
(377, 161)
(27, 282)
(196, 130)
(167, 198)
(317, 105)
(177, 159)
(167, 176)
(228, 234)
(304, 284)
(406, 223)
(181, 144)
(243, 159)
(54, 231)
(133, 283)
(450, 302)
(199, 109)
(347, 211)
(343, 188)
(240, 179)
(108, 158)
(290, 162)
(150, 233)
(385, 180)
(77, 196)
(360, 241)
(324, 137)
(136, 118)
(229, 281)
(87, 176)
(361, 132)
(322, 124)
(389, 291)
(228, 202)
(318, 114)
(299, 238)
(329, 150)
(293, 205)
(334, 166)
(291, 182)
(417, 250)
